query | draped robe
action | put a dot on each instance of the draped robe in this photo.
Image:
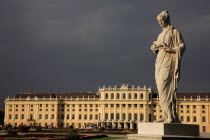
(167, 70)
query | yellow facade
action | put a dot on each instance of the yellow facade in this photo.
(119, 107)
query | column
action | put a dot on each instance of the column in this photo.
(145, 112)
(120, 111)
(13, 112)
(131, 125)
(126, 115)
(125, 125)
(119, 125)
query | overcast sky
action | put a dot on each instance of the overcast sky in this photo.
(74, 45)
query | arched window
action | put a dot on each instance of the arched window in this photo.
(130, 96)
(150, 96)
(141, 96)
(118, 95)
(129, 116)
(31, 117)
(123, 116)
(135, 117)
(118, 116)
(107, 96)
(141, 117)
(150, 117)
(106, 116)
(112, 116)
(112, 96)
(124, 96)
(96, 117)
(135, 96)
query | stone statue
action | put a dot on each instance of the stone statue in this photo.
(169, 48)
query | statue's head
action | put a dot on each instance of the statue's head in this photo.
(163, 18)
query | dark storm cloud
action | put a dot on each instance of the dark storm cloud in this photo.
(61, 46)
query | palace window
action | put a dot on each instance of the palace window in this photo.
(141, 117)
(203, 119)
(123, 105)
(46, 116)
(106, 105)
(80, 105)
(22, 117)
(22, 105)
(31, 117)
(188, 118)
(91, 116)
(16, 105)
(91, 105)
(67, 116)
(182, 118)
(141, 96)
(96, 117)
(135, 96)
(194, 118)
(112, 116)
(135, 117)
(129, 96)
(203, 106)
(112, 105)
(106, 116)
(124, 96)
(129, 116)
(112, 96)
(52, 116)
(188, 106)
(62, 116)
(53, 105)
(141, 105)
(129, 105)
(46, 105)
(80, 116)
(72, 116)
(118, 116)
(123, 116)
(194, 106)
(85, 116)
(117, 105)
(118, 95)
(203, 128)
(10, 116)
(107, 96)
(40, 105)
(181, 106)
(40, 116)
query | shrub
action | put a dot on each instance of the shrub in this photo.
(38, 128)
(23, 128)
(12, 133)
(73, 136)
(102, 129)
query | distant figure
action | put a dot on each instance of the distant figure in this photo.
(169, 48)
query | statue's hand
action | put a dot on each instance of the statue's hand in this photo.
(169, 50)
(154, 48)
(159, 44)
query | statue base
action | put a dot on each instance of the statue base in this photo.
(166, 131)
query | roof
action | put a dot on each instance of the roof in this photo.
(58, 95)
(189, 95)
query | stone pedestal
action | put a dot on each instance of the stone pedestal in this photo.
(166, 131)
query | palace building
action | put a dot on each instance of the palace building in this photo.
(117, 107)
